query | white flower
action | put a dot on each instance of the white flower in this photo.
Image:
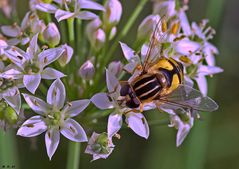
(54, 118)
(181, 120)
(165, 8)
(77, 13)
(100, 146)
(136, 121)
(30, 65)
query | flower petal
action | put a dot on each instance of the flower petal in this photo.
(62, 15)
(88, 4)
(36, 104)
(73, 131)
(46, 7)
(114, 124)
(112, 82)
(127, 51)
(11, 31)
(31, 82)
(185, 47)
(202, 84)
(138, 124)
(50, 73)
(86, 15)
(66, 55)
(181, 134)
(33, 46)
(12, 74)
(76, 107)
(101, 101)
(56, 94)
(208, 70)
(14, 101)
(32, 127)
(50, 55)
(52, 139)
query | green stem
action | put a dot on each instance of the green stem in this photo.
(73, 155)
(71, 33)
(62, 26)
(8, 147)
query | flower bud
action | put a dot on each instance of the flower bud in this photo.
(11, 116)
(115, 67)
(147, 26)
(66, 56)
(100, 146)
(95, 34)
(51, 35)
(112, 15)
(87, 70)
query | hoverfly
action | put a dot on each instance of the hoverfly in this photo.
(160, 81)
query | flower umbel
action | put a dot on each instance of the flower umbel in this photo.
(54, 118)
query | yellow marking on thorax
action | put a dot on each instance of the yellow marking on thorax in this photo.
(162, 63)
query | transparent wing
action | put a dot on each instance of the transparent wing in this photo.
(155, 44)
(188, 99)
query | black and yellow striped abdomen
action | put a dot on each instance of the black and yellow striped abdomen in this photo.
(162, 78)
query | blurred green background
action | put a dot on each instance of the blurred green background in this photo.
(213, 143)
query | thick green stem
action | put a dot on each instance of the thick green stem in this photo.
(8, 153)
(198, 145)
(71, 33)
(73, 155)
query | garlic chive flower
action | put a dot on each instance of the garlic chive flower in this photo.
(31, 65)
(103, 101)
(54, 118)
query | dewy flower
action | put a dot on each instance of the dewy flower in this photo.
(112, 14)
(54, 118)
(51, 35)
(9, 90)
(30, 65)
(100, 146)
(72, 9)
(136, 121)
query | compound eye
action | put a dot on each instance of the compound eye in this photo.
(124, 90)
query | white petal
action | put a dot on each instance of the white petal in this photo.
(66, 55)
(138, 123)
(127, 51)
(76, 107)
(12, 74)
(73, 131)
(36, 104)
(181, 134)
(50, 55)
(14, 101)
(101, 100)
(56, 94)
(112, 82)
(88, 4)
(25, 21)
(52, 139)
(185, 47)
(86, 15)
(31, 82)
(62, 15)
(50, 73)
(46, 7)
(114, 124)
(11, 31)
(33, 47)
(32, 127)
(184, 23)
(13, 41)
(208, 70)
(202, 84)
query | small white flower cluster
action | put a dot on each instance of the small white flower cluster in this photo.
(31, 53)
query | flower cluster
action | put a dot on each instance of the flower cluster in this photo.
(38, 51)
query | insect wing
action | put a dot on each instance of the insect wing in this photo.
(189, 99)
(155, 44)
